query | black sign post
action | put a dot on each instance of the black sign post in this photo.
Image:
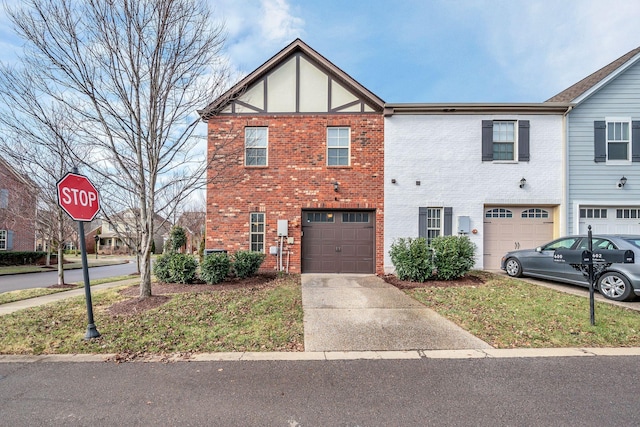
(592, 306)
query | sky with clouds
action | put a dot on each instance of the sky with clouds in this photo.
(433, 50)
(441, 50)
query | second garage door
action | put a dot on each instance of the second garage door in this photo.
(511, 227)
(338, 242)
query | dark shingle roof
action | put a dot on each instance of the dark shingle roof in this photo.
(590, 81)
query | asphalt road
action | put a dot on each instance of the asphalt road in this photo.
(42, 280)
(585, 391)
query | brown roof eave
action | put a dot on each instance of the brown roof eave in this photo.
(472, 108)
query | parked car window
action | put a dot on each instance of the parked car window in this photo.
(635, 242)
(566, 243)
(597, 244)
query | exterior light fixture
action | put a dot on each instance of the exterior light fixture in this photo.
(522, 182)
(336, 186)
(622, 182)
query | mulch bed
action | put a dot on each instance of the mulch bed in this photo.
(466, 280)
(161, 292)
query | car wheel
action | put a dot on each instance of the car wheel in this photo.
(615, 286)
(513, 267)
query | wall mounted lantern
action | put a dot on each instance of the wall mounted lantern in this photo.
(622, 182)
(336, 186)
(522, 182)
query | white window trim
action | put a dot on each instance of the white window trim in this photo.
(263, 232)
(608, 120)
(348, 147)
(515, 139)
(4, 234)
(440, 220)
(265, 148)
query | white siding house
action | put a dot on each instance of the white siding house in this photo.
(493, 172)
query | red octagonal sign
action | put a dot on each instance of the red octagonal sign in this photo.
(78, 197)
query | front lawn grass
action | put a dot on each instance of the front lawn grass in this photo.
(510, 313)
(263, 319)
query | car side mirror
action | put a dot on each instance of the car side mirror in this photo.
(539, 249)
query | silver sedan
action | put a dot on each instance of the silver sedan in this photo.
(614, 280)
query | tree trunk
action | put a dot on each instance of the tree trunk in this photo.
(60, 248)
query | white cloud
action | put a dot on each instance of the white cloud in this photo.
(257, 29)
(545, 46)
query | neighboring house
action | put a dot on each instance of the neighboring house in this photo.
(18, 205)
(492, 172)
(603, 156)
(193, 223)
(121, 232)
(301, 146)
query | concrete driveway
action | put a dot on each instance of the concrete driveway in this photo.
(362, 313)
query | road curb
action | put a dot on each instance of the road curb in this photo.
(528, 353)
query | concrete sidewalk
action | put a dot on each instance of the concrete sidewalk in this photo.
(46, 299)
(364, 313)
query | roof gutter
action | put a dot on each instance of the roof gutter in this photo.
(477, 108)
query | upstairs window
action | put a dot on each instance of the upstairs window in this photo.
(255, 146)
(618, 141)
(505, 140)
(338, 144)
(4, 198)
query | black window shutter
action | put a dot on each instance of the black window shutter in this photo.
(448, 221)
(487, 140)
(635, 141)
(599, 141)
(523, 140)
(422, 222)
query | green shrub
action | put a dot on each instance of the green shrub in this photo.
(247, 263)
(412, 259)
(215, 267)
(454, 256)
(175, 268)
(21, 257)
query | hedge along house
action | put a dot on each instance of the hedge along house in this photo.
(302, 147)
(492, 172)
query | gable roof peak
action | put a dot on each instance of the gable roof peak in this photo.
(595, 79)
(296, 45)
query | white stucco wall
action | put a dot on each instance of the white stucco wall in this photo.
(444, 153)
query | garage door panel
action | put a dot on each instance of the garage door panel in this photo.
(518, 228)
(339, 247)
(617, 220)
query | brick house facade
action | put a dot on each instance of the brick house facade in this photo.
(18, 197)
(296, 167)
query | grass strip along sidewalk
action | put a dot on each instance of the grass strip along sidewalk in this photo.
(505, 312)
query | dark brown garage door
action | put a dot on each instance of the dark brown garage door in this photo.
(338, 242)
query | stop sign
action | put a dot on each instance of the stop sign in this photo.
(78, 197)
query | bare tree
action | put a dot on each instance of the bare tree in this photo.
(134, 73)
(38, 136)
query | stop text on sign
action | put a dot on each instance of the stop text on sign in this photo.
(74, 196)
